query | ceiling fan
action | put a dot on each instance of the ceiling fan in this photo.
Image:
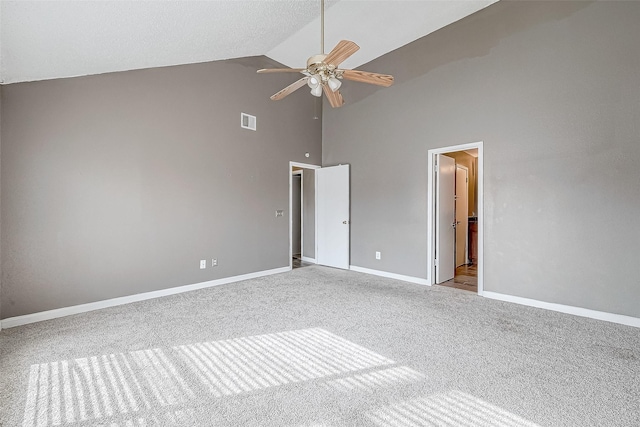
(323, 75)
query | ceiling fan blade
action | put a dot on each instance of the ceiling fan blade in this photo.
(289, 89)
(342, 51)
(385, 80)
(281, 70)
(335, 98)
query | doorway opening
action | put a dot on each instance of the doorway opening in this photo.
(455, 213)
(302, 218)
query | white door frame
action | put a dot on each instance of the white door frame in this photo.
(294, 173)
(291, 166)
(431, 194)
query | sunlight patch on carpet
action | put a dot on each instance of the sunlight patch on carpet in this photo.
(451, 409)
(374, 380)
(245, 364)
(156, 386)
(99, 387)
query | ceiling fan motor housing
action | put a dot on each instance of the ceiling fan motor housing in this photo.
(317, 66)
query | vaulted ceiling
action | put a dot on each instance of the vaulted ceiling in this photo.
(42, 40)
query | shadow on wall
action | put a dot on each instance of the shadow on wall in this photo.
(451, 44)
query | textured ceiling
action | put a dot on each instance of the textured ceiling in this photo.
(44, 40)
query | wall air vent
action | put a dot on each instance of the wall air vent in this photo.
(247, 121)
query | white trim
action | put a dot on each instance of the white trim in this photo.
(307, 259)
(290, 217)
(301, 175)
(431, 206)
(303, 165)
(301, 214)
(480, 218)
(411, 279)
(315, 216)
(568, 309)
(83, 308)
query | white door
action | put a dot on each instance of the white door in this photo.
(462, 215)
(445, 218)
(332, 208)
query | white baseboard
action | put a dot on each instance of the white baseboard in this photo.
(83, 308)
(402, 277)
(577, 311)
(307, 259)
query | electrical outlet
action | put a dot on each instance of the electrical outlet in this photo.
(279, 212)
(203, 263)
(214, 262)
(378, 256)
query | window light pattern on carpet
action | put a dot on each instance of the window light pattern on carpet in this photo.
(170, 385)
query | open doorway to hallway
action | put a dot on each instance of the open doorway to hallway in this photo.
(455, 213)
(302, 224)
(325, 220)
(465, 220)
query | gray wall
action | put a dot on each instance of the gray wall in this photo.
(552, 90)
(120, 183)
(309, 213)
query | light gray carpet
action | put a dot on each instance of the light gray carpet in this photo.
(321, 347)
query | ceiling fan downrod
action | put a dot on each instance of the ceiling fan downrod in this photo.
(322, 27)
(319, 72)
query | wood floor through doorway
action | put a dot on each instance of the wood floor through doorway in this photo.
(299, 263)
(466, 277)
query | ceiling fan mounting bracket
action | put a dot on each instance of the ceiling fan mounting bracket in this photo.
(316, 61)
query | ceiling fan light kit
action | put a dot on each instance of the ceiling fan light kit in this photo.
(334, 83)
(317, 91)
(313, 82)
(323, 75)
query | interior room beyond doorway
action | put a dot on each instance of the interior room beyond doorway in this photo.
(466, 221)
